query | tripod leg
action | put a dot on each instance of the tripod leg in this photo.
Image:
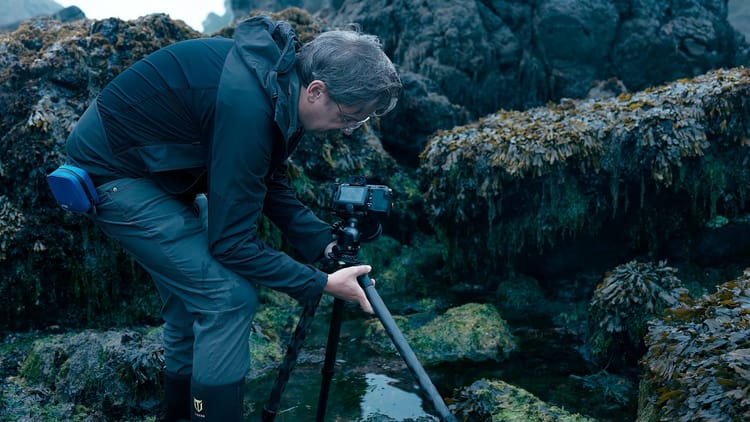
(330, 359)
(404, 349)
(290, 360)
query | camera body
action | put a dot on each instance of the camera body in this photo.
(358, 199)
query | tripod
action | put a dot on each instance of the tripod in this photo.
(345, 255)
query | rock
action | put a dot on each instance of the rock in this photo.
(67, 14)
(422, 111)
(474, 332)
(495, 400)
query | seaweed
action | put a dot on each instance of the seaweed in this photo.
(523, 181)
(697, 367)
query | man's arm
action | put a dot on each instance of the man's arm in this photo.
(308, 234)
(241, 156)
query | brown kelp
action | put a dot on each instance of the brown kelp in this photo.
(697, 367)
(519, 181)
(627, 298)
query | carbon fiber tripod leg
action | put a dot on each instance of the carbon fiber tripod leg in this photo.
(290, 360)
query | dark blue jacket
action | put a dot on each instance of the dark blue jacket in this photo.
(218, 116)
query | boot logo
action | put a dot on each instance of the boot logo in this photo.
(198, 405)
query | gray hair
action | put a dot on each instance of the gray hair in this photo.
(353, 66)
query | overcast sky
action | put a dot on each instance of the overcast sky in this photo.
(192, 12)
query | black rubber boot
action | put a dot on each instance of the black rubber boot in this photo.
(176, 397)
(217, 403)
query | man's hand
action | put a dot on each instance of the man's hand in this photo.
(343, 285)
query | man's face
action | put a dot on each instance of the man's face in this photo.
(319, 113)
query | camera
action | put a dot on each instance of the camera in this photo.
(358, 199)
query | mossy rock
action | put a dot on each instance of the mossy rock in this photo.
(412, 270)
(473, 332)
(116, 373)
(519, 292)
(498, 401)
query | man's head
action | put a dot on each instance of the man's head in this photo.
(346, 78)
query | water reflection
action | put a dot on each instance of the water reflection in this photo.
(383, 398)
(354, 396)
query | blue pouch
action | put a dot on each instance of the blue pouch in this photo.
(73, 189)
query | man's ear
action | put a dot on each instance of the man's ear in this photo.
(315, 90)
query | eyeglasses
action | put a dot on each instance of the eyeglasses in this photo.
(350, 123)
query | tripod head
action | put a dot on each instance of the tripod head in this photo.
(359, 206)
(347, 243)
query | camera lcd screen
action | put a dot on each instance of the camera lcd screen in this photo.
(355, 195)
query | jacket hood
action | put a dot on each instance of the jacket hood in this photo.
(268, 48)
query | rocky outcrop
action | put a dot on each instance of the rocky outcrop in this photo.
(484, 56)
(50, 72)
(646, 168)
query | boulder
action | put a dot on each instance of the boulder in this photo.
(472, 332)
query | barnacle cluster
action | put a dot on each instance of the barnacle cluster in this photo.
(600, 156)
(697, 367)
(623, 303)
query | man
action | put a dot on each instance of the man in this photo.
(220, 117)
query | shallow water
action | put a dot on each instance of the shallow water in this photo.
(365, 385)
(368, 386)
(353, 397)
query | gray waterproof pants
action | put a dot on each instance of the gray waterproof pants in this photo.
(207, 308)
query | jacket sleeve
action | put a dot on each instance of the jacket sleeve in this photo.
(241, 153)
(308, 234)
